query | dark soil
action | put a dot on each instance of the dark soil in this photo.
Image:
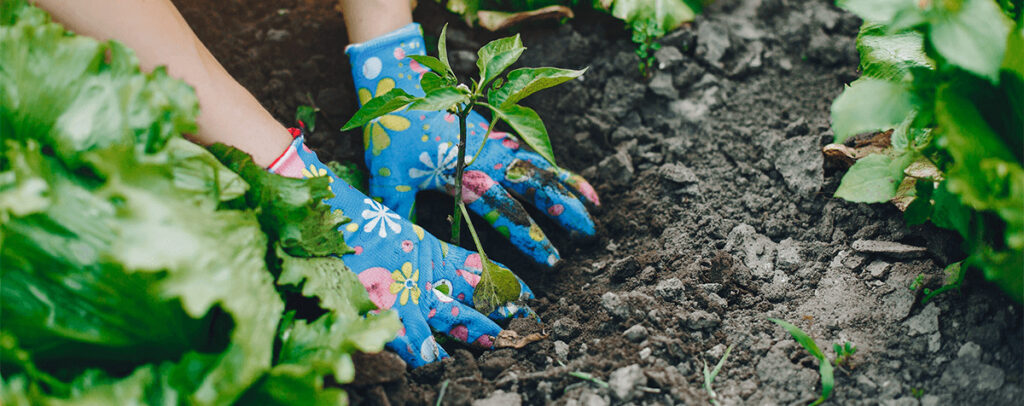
(717, 215)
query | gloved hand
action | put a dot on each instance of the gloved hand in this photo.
(428, 282)
(408, 151)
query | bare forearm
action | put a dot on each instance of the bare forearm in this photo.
(369, 19)
(160, 36)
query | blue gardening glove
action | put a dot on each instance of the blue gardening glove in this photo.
(427, 281)
(408, 151)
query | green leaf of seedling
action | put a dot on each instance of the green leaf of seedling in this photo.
(497, 286)
(351, 174)
(378, 106)
(949, 213)
(530, 128)
(434, 64)
(497, 56)
(920, 209)
(870, 105)
(306, 116)
(526, 81)
(431, 82)
(666, 15)
(971, 34)
(876, 11)
(1014, 60)
(873, 179)
(440, 99)
(442, 52)
(890, 56)
(824, 366)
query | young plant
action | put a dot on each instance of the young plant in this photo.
(824, 366)
(498, 93)
(709, 376)
(947, 77)
(843, 353)
(645, 35)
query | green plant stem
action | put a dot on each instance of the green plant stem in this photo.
(487, 136)
(460, 166)
(472, 233)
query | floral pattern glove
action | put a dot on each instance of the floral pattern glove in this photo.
(408, 151)
(427, 281)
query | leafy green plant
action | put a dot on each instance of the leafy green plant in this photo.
(500, 95)
(645, 34)
(710, 375)
(947, 77)
(844, 353)
(136, 266)
(824, 366)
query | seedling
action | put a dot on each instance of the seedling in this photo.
(588, 377)
(824, 366)
(645, 34)
(843, 353)
(709, 376)
(917, 393)
(500, 95)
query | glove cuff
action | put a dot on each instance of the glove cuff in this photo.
(289, 163)
(381, 64)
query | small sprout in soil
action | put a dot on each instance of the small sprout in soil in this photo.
(306, 117)
(709, 376)
(824, 366)
(843, 353)
(645, 33)
(917, 283)
(498, 93)
(588, 377)
(954, 278)
(917, 393)
(440, 395)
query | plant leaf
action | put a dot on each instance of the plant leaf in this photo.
(876, 11)
(890, 56)
(378, 106)
(869, 105)
(824, 366)
(528, 125)
(440, 100)
(497, 286)
(873, 179)
(971, 34)
(431, 82)
(306, 116)
(523, 82)
(497, 56)
(666, 15)
(442, 52)
(435, 65)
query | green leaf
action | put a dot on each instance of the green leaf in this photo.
(890, 56)
(1014, 59)
(442, 52)
(442, 99)
(949, 213)
(526, 81)
(431, 82)
(824, 366)
(528, 125)
(876, 11)
(497, 286)
(971, 34)
(378, 106)
(306, 117)
(921, 208)
(327, 279)
(666, 15)
(873, 179)
(435, 65)
(497, 56)
(870, 105)
(292, 211)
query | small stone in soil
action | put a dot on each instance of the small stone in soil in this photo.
(624, 268)
(500, 398)
(561, 350)
(617, 169)
(668, 56)
(670, 289)
(565, 328)
(889, 248)
(636, 334)
(878, 269)
(661, 85)
(623, 381)
(678, 173)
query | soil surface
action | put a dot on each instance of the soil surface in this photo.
(717, 215)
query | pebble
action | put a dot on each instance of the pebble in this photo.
(889, 248)
(500, 398)
(636, 334)
(561, 350)
(644, 353)
(678, 173)
(926, 322)
(565, 328)
(661, 84)
(668, 56)
(624, 268)
(624, 380)
(617, 169)
(700, 320)
(670, 289)
(878, 269)
(277, 35)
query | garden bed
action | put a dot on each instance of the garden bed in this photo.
(717, 214)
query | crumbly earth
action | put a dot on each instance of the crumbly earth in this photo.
(717, 214)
